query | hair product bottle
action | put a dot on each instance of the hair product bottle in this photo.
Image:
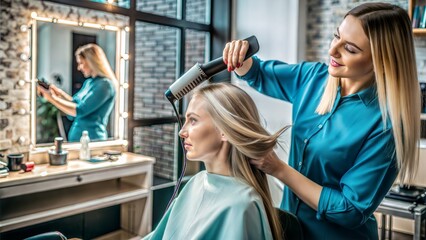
(85, 150)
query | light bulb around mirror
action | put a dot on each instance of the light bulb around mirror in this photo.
(124, 115)
(24, 57)
(21, 82)
(22, 111)
(21, 140)
(125, 85)
(24, 28)
(125, 56)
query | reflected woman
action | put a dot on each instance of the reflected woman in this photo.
(91, 106)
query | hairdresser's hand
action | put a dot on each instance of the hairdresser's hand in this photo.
(270, 164)
(56, 90)
(46, 93)
(60, 93)
(234, 54)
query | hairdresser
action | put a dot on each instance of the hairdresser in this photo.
(355, 121)
(92, 105)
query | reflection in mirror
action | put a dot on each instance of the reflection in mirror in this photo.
(72, 80)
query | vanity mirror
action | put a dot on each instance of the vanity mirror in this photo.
(53, 44)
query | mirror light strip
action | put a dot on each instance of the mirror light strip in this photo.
(73, 23)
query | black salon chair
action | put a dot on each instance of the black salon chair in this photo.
(48, 236)
(292, 230)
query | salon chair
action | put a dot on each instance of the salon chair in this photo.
(48, 236)
(64, 124)
(290, 225)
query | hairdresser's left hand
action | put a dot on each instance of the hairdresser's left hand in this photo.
(270, 164)
(46, 93)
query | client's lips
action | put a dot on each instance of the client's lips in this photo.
(334, 63)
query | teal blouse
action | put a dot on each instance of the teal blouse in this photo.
(213, 206)
(95, 101)
(348, 151)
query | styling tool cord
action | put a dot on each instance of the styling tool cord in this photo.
(179, 181)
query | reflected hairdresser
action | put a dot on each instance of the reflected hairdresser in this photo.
(92, 105)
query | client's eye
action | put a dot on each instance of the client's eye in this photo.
(192, 120)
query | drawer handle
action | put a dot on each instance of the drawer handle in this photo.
(79, 179)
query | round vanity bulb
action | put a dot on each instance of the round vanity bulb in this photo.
(124, 115)
(21, 82)
(125, 56)
(24, 57)
(21, 140)
(33, 14)
(127, 29)
(125, 85)
(23, 28)
(22, 111)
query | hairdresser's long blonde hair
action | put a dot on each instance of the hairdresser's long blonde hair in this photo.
(235, 114)
(388, 28)
(97, 60)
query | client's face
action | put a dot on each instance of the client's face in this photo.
(202, 139)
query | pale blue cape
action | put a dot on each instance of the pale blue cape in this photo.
(213, 206)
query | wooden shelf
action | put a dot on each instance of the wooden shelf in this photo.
(419, 31)
(35, 208)
(53, 192)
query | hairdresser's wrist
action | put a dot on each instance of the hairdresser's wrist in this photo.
(280, 171)
(243, 70)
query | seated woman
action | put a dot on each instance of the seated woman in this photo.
(91, 106)
(230, 199)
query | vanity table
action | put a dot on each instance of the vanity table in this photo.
(53, 192)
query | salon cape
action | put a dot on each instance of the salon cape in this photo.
(213, 206)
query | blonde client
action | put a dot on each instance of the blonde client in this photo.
(230, 199)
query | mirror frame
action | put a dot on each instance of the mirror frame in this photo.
(121, 71)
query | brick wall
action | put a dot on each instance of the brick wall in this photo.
(166, 8)
(15, 98)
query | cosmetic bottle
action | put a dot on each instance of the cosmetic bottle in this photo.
(85, 150)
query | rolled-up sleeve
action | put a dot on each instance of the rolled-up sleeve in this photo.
(364, 186)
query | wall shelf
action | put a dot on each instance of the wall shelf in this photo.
(416, 31)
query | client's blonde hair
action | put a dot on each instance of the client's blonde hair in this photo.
(235, 114)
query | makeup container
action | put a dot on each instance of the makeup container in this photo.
(58, 156)
(27, 167)
(14, 161)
